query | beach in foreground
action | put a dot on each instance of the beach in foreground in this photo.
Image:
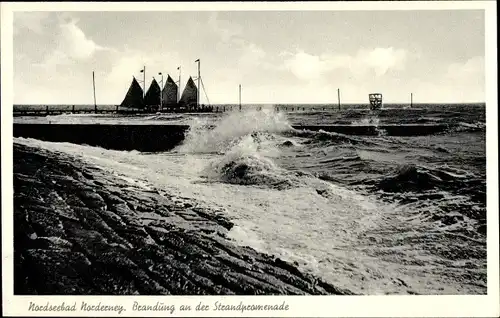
(82, 231)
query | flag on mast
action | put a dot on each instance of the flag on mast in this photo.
(197, 60)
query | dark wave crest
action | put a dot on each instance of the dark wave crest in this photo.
(468, 127)
(325, 137)
(418, 178)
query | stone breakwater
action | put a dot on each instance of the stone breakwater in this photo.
(80, 231)
(118, 137)
(164, 137)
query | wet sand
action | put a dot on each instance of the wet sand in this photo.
(80, 231)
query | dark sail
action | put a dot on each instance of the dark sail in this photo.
(134, 97)
(169, 93)
(152, 97)
(189, 95)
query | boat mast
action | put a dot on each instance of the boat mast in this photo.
(144, 82)
(93, 84)
(240, 97)
(198, 90)
(161, 91)
(411, 100)
(179, 88)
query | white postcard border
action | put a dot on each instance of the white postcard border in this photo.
(303, 306)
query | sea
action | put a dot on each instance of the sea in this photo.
(375, 214)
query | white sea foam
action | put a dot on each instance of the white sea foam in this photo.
(370, 121)
(202, 139)
(244, 164)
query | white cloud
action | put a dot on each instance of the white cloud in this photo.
(472, 70)
(306, 66)
(33, 21)
(224, 29)
(74, 43)
(252, 55)
(310, 67)
(126, 66)
(129, 63)
(446, 92)
(245, 57)
(463, 81)
(230, 38)
(55, 58)
(369, 70)
(381, 60)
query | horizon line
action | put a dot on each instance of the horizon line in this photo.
(277, 104)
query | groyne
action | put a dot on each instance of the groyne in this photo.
(151, 138)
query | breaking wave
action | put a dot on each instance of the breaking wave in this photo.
(202, 138)
(246, 143)
(245, 165)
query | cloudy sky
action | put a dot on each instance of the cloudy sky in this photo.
(277, 57)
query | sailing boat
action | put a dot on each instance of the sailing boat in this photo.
(134, 97)
(152, 98)
(169, 94)
(166, 97)
(189, 95)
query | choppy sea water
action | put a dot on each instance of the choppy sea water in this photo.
(372, 214)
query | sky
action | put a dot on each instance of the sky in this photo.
(277, 56)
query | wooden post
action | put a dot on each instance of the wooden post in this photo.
(338, 96)
(93, 84)
(73, 109)
(47, 109)
(411, 99)
(144, 82)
